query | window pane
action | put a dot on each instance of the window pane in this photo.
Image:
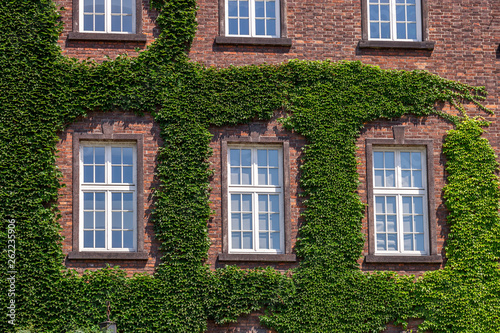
(262, 157)
(235, 176)
(99, 6)
(99, 174)
(407, 209)
(271, 9)
(275, 222)
(407, 225)
(408, 242)
(400, 13)
(417, 178)
(234, 157)
(244, 27)
(384, 13)
(378, 159)
(412, 31)
(88, 174)
(127, 6)
(406, 178)
(419, 223)
(263, 222)
(116, 220)
(263, 240)
(88, 200)
(128, 201)
(235, 202)
(88, 6)
(232, 8)
(116, 200)
(88, 155)
(246, 176)
(247, 240)
(128, 220)
(128, 239)
(273, 158)
(259, 8)
(88, 239)
(244, 9)
(379, 178)
(235, 221)
(275, 240)
(392, 242)
(389, 160)
(405, 160)
(99, 201)
(271, 27)
(401, 30)
(128, 176)
(381, 242)
(380, 223)
(116, 6)
(236, 240)
(411, 13)
(233, 26)
(116, 155)
(88, 22)
(416, 161)
(116, 23)
(263, 203)
(390, 178)
(374, 12)
(262, 176)
(246, 202)
(100, 220)
(410, 1)
(374, 33)
(391, 205)
(417, 205)
(391, 223)
(275, 203)
(247, 221)
(100, 242)
(99, 155)
(127, 23)
(419, 243)
(99, 23)
(273, 177)
(88, 220)
(385, 30)
(116, 174)
(246, 157)
(380, 205)
(116, 239)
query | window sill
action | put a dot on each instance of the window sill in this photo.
(382, 44)
(108, 255)
(433, 259)
(223, 40)
(260, 257)
(107, 37)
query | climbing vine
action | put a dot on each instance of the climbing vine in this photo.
(328, 103)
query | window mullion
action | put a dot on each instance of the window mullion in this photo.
(255, 221)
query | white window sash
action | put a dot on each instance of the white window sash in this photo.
(107, 19)
(251, 19)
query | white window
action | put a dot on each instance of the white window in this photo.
(255, 199)
(108, 197)
(107, 16)
(400, 198)
(253, 18)
(394, 20)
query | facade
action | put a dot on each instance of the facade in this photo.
(255, 187)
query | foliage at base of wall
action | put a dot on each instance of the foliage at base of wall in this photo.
(327, 102)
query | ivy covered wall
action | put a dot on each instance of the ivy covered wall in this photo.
(328, 103)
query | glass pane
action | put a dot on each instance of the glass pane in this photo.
(233, 26)
(88, 174)
(99, 23)
(128, 239)
(263, 240)
(88, 6)
(116, 239)
(275, 222)
(116, 201)
(246, 176)
(263, 203)
(244, 27)
(418, 205)
(99, 6)
(416, 162)
(406, 178)
(128, 201)
(419, 223)
(88, 220)
(232, 8)
(246, 157)
(380, 223)
(401, 30)
(88, 239)
(411, 13)
(389, 160)
(116, 220)
(405, 160)
(127, 23)
(400, 1)
(247, 221)
(116, 155)
(374, 33)
(273, 177)
(128, 176)
(271, 27)
(127, 6)
(235, 176)
(390, 178)
(391, 205)
(378, 159)
(385, 30)
(262, 176)
(384, 13)
(236, 240)
(408, 242)
(100, 220)
(262, 157)
(128, 220)
(384, 1)
(88, 22)
(410, 1)
(400, 13)
(88, 155)
(246, 202)
(412, 31)
(116, 174)
(373, 12)
(88, 200)
(259, 8)
(263, 222)
(417, 178)
(244, 9)
(116, 6)
(271, 9)
(380, 205)
(275, 240)
(235, 202)
(407, 225)
(99, 174)
(379, 178)
(381, 242)
(99, 201)
(100, 241)
(235, 221)
(234, 157)
(391, 223)
(275, 203)
(419, 243)
(392, 242)
(247, 240)
(273, 158)
(99, 155)
(407, 205)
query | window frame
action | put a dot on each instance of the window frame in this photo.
(285, 254)
(400, 142)
(110, 139)
(107, 18)
(252, 19)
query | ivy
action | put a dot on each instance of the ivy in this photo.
(328, 103)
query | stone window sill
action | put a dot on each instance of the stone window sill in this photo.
(433, 259)
(382, 44)
(76, 36)
(223, 40)
(108, 255)
(257, 257)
